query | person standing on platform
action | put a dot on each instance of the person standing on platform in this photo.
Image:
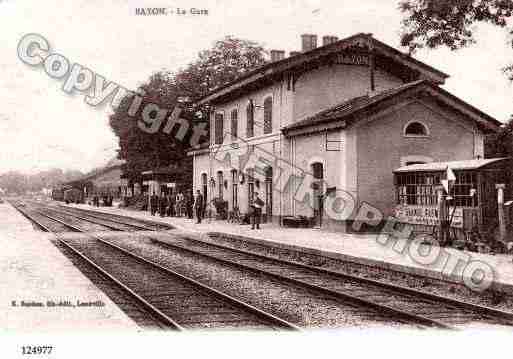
(189, 203)
(172, 204)
(179, 204)
(154, 200)
(168, 202)
(198, 206)
(257, 211)
(162, 205)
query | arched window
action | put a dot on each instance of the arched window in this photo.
(268, 115)
(220, 184)
(250, 124)
(416, 129)
(204, 187)
(251, 184)
(318, 192)
(269, 193)
(235, 190)
(233, 117)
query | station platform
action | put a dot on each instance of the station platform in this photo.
(32, 271)
(398, 254)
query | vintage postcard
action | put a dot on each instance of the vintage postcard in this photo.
(203, 177)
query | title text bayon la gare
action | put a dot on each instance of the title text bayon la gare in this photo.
(164, 11)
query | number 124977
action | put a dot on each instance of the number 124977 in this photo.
(36, 349)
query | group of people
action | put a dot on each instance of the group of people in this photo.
(175, 205)
(107, 201)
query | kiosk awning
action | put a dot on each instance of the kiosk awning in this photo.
(455, 165)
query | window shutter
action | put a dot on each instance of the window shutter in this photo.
(250, 121)
(268, 115)
(334, 141)
(234, 124)
(219, 128)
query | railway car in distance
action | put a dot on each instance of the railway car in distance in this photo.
(471, 202)
(58, 194)
(73, 195)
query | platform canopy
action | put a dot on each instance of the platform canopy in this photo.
(454, 165)
(165, 174)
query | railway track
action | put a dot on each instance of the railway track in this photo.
(409, 304)
(423, 307)
(138, 224)
(177, 301)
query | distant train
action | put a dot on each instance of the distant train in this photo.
(58, 194)
(68, 194)
(73, 195)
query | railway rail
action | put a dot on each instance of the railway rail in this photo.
(411, 305)
(178, 301)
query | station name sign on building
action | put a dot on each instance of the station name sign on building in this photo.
(353, 58)
(426, 215)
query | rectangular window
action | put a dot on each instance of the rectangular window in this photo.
(219, 124)
(420, 189)
(460, 191)
(417, 188)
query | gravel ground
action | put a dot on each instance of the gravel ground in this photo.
(488, 298)
(80, 223)
(294, 304)
(411, 303)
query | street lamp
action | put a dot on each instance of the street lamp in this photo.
(252, 104)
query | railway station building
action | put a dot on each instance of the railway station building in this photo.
(340, 117)
(106, 180)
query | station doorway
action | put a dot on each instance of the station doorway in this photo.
(269, 194)
(318, 193)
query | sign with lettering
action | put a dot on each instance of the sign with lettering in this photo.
(426, 215)
(353, 59)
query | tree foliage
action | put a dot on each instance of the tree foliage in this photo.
(451, 23)
(228, 59)
(140, 149)
(501, 143)
(225, 61)
(434, 23)
(17, 182)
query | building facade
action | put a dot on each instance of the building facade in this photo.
(331, 121)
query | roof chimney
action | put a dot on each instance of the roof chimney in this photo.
(326, 40)
(294, 53)
(309, 42)
(277, 55)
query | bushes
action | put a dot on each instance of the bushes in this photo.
(221, 208)
(138, 202)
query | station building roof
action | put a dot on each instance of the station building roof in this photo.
(387, 56)
(350, 111)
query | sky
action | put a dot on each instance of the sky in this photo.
(42, 127)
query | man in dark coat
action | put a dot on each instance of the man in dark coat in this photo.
(198, 206)
(171, 206)
(162, 205)
(257, 206)
(190, 204)
(154, 201)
